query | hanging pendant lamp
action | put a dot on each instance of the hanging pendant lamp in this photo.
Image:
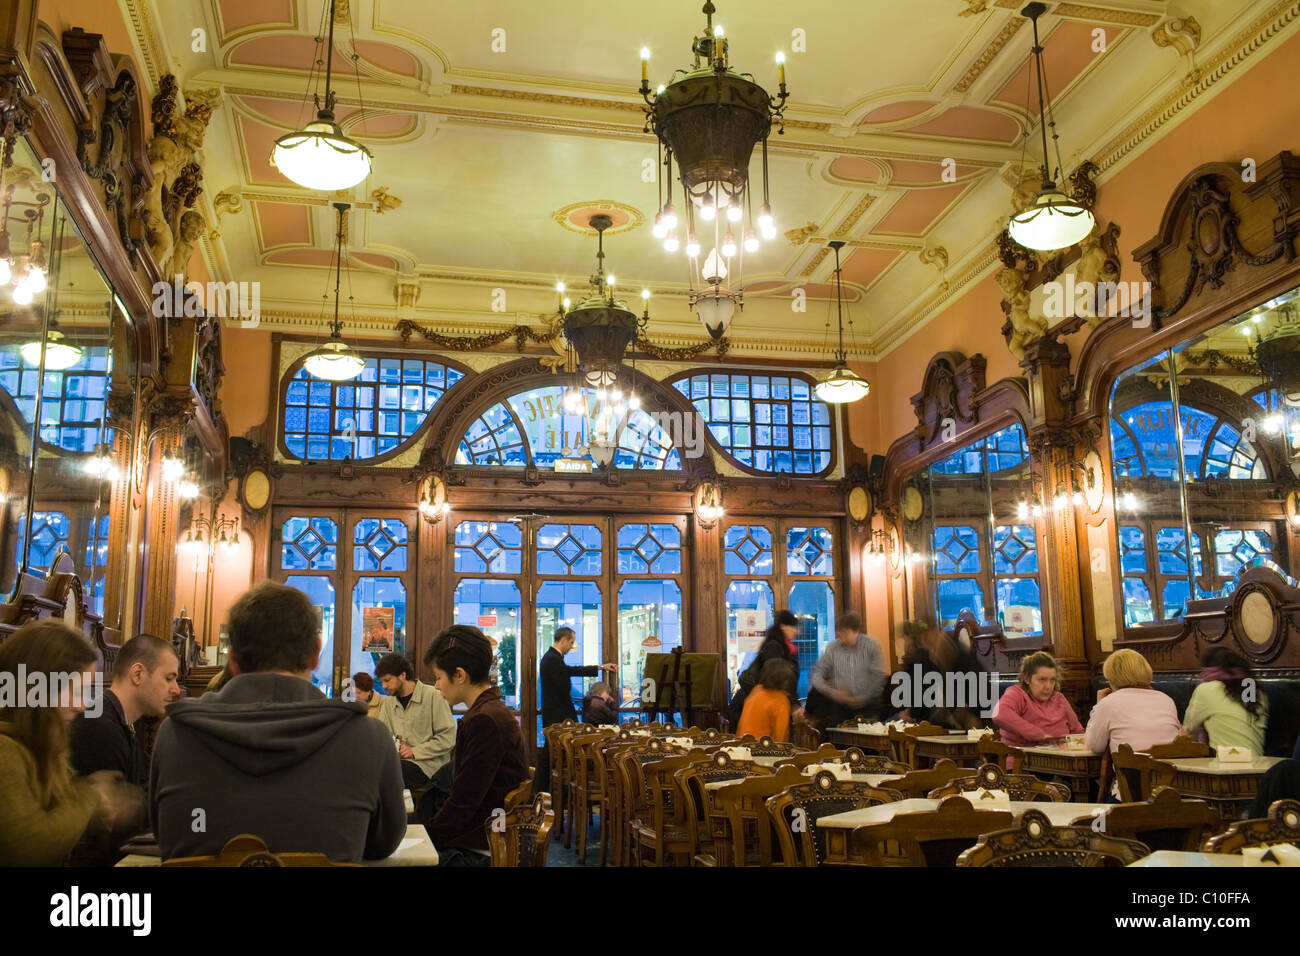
(1053, 220)
(843, 384)
(336, 361)
(320, 156)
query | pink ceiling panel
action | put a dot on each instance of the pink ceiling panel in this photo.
(283, 224)
(865, 266)
(812, 290)
(896, 111)
(909, 172)
(239, 14)
(325, 258)
(286, 51)
(854, 169)
(1066, 54)
(375, 259)
(388, 57)
(971, 122)
(913, 214)
(258, 139)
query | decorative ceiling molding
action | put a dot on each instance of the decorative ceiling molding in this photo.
(1081, 11)
(149, 41)
(991, 51)
(854, 215)
(1236, 52)
(635, 217)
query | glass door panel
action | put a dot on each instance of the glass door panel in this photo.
(745, 596)
(575, 604)
(813, 604)
(649, 622)
(493, 606)
(320, 591)
(378, 622)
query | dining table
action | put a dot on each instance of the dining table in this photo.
(837, 829)
(416, 849)
(1078, 767)
(870, 741)
(1230, 785)
(1168, 858)
(959, 747)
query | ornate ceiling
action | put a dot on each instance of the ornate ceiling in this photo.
(498, 128)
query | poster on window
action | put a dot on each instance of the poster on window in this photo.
(750, 628)
(377, 630)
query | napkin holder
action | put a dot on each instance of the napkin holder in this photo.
(841, 771)
(990, 798)
(875, 728)
(979, 733)
(738, 753)
(1234, 754)
(1282, 854)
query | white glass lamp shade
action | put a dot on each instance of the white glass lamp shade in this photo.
(320, 157)
(335, 362)
(58, 353)
(841, 386)
(714, 270)
(1053, 221)
(715, 311)
(602, 452)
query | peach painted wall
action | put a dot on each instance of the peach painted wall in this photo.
(246, 402)
(93, 16)
(1248, 118)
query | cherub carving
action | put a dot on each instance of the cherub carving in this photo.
(1025, 327)
(173, 158)
(191, 227)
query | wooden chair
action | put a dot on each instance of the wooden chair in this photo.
(1019, 786)
(697, 800)
(575, 775)
(1164, 822)
(586, 788)
(555, 782)
(767, 747)
(805, 802)
(749, 836)
(522, 793)
(805, 735)
(992, 750)
(919, 783)
(902, 743)
(523, 836)
(663, 832)
(605, 753)
(634, 798)
(1138, 775)
(826, 753)
(929, 837)
(863, 762)
(1180, 747)
(1035, 842)
(1282, 825)
(249, 850)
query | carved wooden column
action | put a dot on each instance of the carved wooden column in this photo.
(168, 416)
(1053, 450)
(433, 602)
(708, 604)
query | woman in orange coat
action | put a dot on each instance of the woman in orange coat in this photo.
(767, 708)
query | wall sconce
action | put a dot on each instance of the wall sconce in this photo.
(222, 533)
(433, 499)
(878, 550)
(912, 556)
(708, 504)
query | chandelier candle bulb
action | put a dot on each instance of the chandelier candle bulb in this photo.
(645, 64)
(780, 69)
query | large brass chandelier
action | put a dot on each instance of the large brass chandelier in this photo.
(710, 118)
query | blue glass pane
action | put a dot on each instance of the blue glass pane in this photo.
(956, 595)
(1132, 546)
(73, 398)
(1137, 602)
(321, 421)
(956, 549)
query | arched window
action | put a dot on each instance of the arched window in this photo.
(368, 417)
(532, 427)
(1144, 442)
(768, 423)
(72, 400)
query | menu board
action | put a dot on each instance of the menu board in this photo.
(751, 625)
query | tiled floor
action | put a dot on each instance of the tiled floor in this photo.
(559, 856)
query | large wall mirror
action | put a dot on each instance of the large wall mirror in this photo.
(970, 515)
(65, 347)
(1205, 439)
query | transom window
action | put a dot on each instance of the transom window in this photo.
(489, 547)
(747, 550)
(72, 400)
(649, 549)
(366, 417)
(379, 544)
(770, 423)
(568, 549)
(309, 544)
(809, 551)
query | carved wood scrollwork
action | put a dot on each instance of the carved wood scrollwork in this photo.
(947, 393)
(1200, 240)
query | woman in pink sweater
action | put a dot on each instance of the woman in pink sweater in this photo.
(1035, 711)
(1130, 711)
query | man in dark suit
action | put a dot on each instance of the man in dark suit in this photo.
(556, 701)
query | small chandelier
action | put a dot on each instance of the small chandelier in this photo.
(710, 118)
(336, 361)
(600, 327)
(843, 384)
(320, 156)
(1053, 220)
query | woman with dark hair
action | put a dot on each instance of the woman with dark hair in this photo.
(488, 760)
(43, 810)
(1227, 705)
(1034, 710)
(778, 644)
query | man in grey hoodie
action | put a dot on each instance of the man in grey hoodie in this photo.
(270, 755)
